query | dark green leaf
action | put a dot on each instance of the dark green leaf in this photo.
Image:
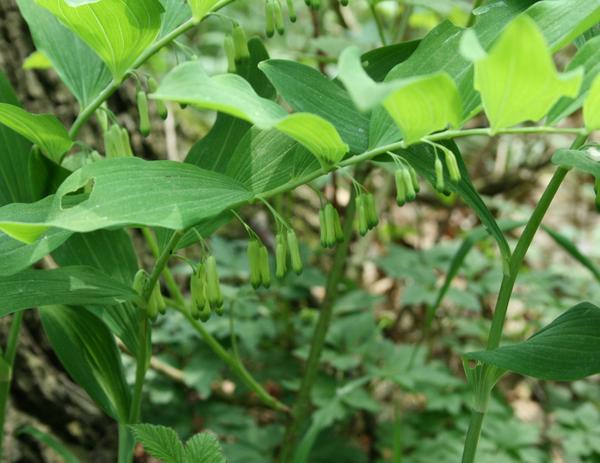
(565, 350)
(68, 285)
(585, 160)
(88, 351)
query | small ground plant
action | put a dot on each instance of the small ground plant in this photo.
(70, 205)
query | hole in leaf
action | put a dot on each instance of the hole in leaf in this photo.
(76, 197)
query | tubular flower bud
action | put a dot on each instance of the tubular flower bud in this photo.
(254, 263)
(265, 269)
(295, 257)
(213, 288)
(142, 104)
(280, 256)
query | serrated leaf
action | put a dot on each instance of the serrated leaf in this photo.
(164, 194)
(201, 7)
(116, 30)
(160, 442)
(88, 351)
(229, 93)
(517, 79)
(587, 57)
(204, 447)
(565, 350)
(45, 130)
(419, 105)
(585, 160)
(81, 70)
(76, 285)
(591, 106)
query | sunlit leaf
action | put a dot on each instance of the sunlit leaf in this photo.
(517, 79)
(37, 60)
(116, 30)
(45, 130)
(201, 7)
(565, 350)
(591, 106)
(418, 105)
(164, 194)
(229, 93)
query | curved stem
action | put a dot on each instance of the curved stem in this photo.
(236, 366)
(507, 286)
(302, 404)
(6, 368)
(378, 23)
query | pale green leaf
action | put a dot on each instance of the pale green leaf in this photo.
(164, 194)
(89, 353)
(517, 80)
(160, 442)
(80, 69)
(419, 105)
(75, 285)
(587, 57)
(229, 93)
(565, 350)
(118, 31)
(201, 7)
(591, 106)
(37, 60)
(44, 130)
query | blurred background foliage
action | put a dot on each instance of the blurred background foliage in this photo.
(388, 391)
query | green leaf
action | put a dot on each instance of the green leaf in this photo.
(79, 68)
(201, 7)
(112, 253)
(176, 13)
(517, 80)
(48, 440)
(380, 61)
(68, 285)
(45, 130)
(565, 350)
(229, 93)
(37, 60)
(165, 194)
(160, 442)
(88, 351)
(306, 89)
(117, 31)
(23, 174)
(585, 160)
(591, 106)
(204, 447)
(588, 57)
(418, 105)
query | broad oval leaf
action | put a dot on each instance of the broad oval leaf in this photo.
(77, 285)
(419, 105)
(565, 350)
(118, 31)
(164, 194)
(88, 351)
(517, 79)
(231, 94)
(45, 130)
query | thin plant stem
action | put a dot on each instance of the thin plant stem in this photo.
(378, 23)
(179, 303)
(507, 286)
(302, 403)
(472, 17)
(7, 370)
